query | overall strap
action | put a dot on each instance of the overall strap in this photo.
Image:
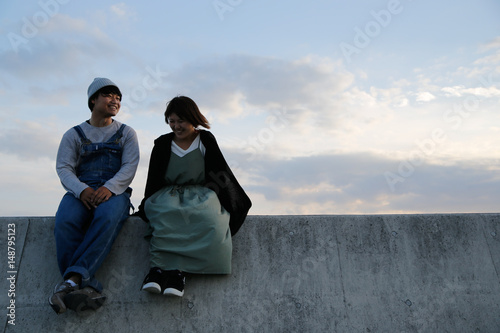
(82, 136)
(120, 130)
(118, 135)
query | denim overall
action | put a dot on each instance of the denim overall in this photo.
(99, 162)
(84, 237)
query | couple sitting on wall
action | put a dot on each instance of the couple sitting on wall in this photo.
(193, 204)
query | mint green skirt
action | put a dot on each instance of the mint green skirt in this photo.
(189, 230)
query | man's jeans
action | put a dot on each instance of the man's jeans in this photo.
(84, 237)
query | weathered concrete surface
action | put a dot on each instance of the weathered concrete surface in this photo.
(374, 273)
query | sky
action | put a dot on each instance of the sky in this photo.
(319, 107)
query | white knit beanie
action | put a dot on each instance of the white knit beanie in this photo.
(98, 83)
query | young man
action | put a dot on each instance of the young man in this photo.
(96, 163)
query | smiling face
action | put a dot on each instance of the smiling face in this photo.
(106, 105)
(183, 130)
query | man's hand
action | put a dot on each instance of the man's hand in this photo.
(92, 199)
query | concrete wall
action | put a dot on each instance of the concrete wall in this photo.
(377, 273)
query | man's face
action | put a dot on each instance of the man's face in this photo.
(107, 104)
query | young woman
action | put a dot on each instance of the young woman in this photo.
(192, 202)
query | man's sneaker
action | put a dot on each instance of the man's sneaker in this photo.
(153, 281)
(174, 284)
(56, 301)
(84, 299)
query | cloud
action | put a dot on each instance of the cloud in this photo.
(459, 91)
(29, 141)
(425, 96)
(488, 60)
(494, 44)
(30, 189)
(455, 91)
(355, 183)
(64, 43)
(120, 9)
(123, 12)
(321, 184)
(230, 85)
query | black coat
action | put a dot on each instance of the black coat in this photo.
(218, 177)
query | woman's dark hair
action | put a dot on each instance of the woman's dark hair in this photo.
(104, 90)
(186, 109)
